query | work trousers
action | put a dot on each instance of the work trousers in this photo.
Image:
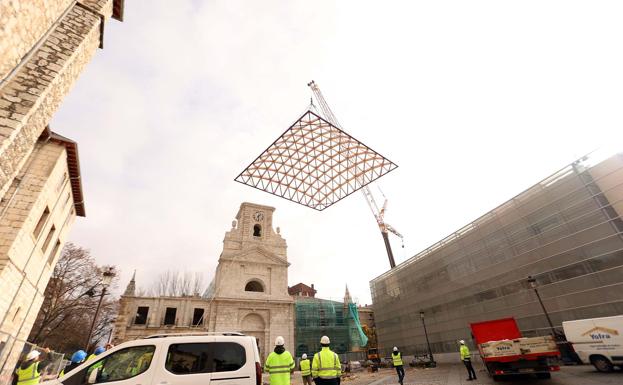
(470, 369)
(327, 381)
(401, 373)
(307, 380)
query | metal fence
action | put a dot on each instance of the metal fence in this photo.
(51, 364)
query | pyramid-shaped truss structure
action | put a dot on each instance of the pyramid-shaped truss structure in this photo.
(316, 164)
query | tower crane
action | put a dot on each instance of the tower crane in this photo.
(379, 213)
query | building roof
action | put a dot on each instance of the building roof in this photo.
(301, 287)
(73, 165)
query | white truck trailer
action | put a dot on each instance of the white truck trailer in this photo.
(598, 341)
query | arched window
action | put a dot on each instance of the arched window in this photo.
(257, 231)
(254, 286)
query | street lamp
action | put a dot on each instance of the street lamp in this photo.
(430, 352)
(107, 277)
(534, 285)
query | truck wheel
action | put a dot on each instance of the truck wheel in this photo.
(544, 376)
(601, 363)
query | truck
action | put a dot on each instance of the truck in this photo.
(598, 341)
(505, 352)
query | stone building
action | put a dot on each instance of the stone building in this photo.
(44, 46)
(249, 292)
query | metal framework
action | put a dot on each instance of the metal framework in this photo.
(315, 163)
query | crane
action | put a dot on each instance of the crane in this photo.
(379, 213)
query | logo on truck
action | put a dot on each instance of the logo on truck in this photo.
(600, 333)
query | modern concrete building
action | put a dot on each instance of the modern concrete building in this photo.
(249, 292)
(566, 231)
(44, 46)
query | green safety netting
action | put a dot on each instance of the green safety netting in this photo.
(316, 317)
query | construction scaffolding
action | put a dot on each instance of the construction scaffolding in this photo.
(317, 317)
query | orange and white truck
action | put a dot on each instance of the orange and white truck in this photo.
(505, 352)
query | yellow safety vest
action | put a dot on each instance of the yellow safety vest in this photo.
(326, 364)
(465, 354)
(278, 367)
(28, 376)
(305, 367)
(397, 359)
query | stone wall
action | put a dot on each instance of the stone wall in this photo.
(31, 242)
(29, 98)
(23, 24)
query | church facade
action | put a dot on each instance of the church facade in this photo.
(249, 292)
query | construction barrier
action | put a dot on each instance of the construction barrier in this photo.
(50, 366)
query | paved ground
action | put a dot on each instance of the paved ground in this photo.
(456, 375)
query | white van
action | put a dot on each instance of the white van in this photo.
(597, 340)
(174, 359)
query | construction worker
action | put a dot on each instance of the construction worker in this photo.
(279, 364)
(306, 370)
(98, 350)
(76, 359)
(326, 367)
(29, 371)
(397, 361)
(467, 360)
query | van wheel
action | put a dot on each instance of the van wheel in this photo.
(601, 363)
(544, 376)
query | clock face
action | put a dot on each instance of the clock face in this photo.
(258, 216)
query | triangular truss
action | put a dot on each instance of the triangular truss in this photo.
(316, 164)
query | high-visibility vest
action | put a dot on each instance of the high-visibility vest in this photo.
(91, 356)
(465, 354)
(326, 364)
(397, 359)
(305, 367)
(28, 376)
(278, 367)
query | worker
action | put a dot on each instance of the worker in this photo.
(76, 359)
(306, 370)
(98, 350)
(467, 360)
(397, 361)
(279, 364)
(326, 367)
(29, 371)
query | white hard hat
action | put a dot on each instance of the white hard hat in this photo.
(304, 356)
(279, 341)
(33, 354)
(462, 342)
(395, 349)
(325, 340)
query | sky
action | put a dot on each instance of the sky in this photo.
(475, 101)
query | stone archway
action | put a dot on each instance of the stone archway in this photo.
(253, 325)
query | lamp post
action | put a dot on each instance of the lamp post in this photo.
(107, 277)
(430, 352)
(533, 285)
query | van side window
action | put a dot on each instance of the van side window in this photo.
(205, 357)
(121, 365)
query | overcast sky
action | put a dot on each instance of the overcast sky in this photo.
(474, 100)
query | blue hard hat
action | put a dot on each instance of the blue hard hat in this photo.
(78, 356)
(99, 350)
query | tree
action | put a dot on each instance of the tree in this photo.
(177, 284)
(69, 303)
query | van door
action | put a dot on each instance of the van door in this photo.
(219, 363)
(129, 366)
(185, 364)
